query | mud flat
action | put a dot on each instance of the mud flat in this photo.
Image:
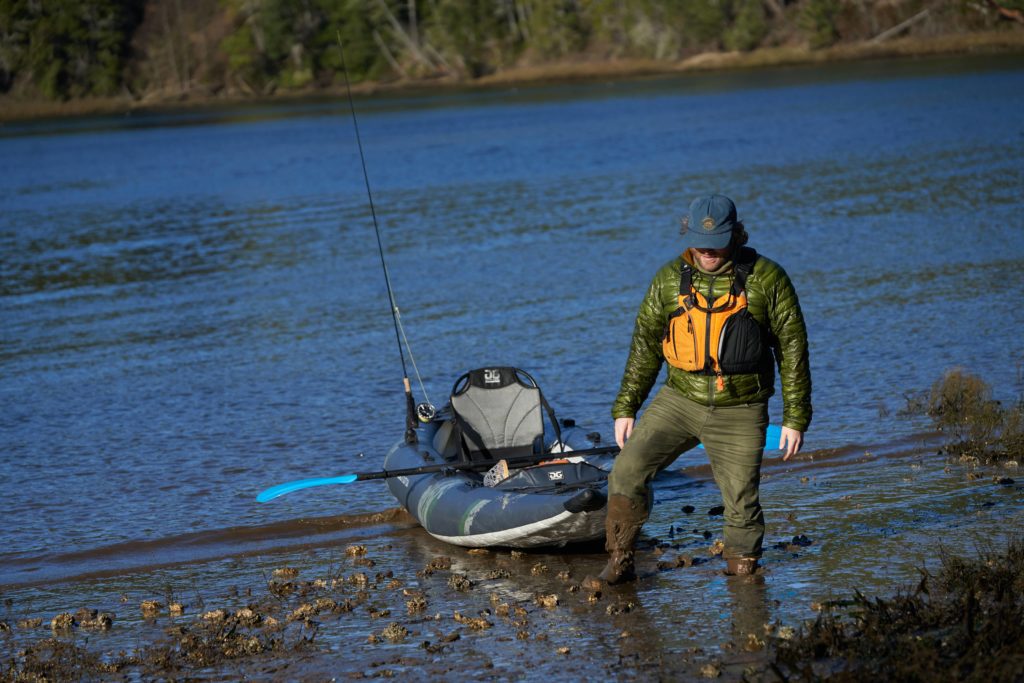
(391, 601)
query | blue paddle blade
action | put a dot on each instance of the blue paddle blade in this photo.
(771, 441)
(287, 487)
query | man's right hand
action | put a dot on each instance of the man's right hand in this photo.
(623, 428)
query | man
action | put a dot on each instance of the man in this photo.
(722, 316)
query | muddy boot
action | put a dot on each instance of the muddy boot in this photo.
(740, 566)
(622, 527)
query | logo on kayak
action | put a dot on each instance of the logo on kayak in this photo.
(555, 476)
(492, 376)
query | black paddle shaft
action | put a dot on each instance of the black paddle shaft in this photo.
(483, 465)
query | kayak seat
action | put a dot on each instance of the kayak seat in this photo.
(497, 413)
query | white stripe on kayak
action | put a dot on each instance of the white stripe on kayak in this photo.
(505, 536)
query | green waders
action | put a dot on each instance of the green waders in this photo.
(734, 439)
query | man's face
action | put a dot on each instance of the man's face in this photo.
(711, 259)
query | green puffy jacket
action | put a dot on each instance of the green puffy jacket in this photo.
(772, 301)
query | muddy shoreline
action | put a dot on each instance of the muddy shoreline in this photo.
(390, 601)
(990, 43)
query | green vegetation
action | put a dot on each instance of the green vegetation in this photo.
(978, 427)
(964, 624)
(63, 49)
(66, 48)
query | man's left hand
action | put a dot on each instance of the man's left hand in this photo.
(790, 441)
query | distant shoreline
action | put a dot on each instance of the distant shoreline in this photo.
(1007, 42)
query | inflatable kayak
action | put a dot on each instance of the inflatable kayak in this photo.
(519, 477)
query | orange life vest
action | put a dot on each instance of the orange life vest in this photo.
(718, 337)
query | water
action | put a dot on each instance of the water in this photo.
(193, 309)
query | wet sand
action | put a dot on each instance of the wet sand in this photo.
(378, 597)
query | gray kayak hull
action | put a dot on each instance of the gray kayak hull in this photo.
(548, 505)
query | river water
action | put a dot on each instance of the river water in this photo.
(193, 309)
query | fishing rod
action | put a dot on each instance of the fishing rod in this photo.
(425, 411)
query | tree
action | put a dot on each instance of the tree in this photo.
(749, 26)
(64, 48)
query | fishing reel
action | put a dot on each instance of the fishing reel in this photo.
(425, 412)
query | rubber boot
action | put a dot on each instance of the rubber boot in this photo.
(622, 527)
(740, 566)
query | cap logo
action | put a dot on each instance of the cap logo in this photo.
(708, 223)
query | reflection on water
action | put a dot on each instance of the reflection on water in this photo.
(193, 309)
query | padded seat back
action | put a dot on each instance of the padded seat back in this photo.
(498, 413)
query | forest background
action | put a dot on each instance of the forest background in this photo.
(70, 56)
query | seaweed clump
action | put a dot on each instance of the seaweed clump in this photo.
(977, 427)
(964, 624)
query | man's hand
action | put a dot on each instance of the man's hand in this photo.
(790, 441)
(623, 428)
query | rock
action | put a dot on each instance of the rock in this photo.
(302, 612)
(285, 573)
(355, 550)
(247, 617)
(175, 609)
(717, 548)
(216, 615)
(688, 509)
(475, 623)
(28, 624)
(395, 632)
(710, 671)
(716, 510)
(85, 614)
(416, 604)
(478, 551)
(150, 608)
(62, 622)
(441, 563)
(619, 608)
(563, 651)
(498, 574)
(91, 619)
(459, 582)
(325, 605)
(549, 601)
